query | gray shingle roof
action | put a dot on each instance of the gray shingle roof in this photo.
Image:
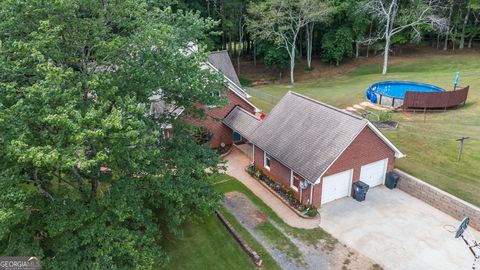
(306, 135)
(242, 121)
(221, 61)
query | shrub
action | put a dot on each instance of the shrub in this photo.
(384, 117)
(311, 212)
(380, 116)
(202, 135)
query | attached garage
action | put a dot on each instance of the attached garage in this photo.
(336, 186)
(373, 173)
(327, 147)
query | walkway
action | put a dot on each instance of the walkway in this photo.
(362, 106)
(237, 162)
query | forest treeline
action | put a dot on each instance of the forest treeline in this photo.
(279, 32)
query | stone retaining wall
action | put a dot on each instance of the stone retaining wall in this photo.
(439, 199)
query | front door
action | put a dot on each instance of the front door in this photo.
(236, 137)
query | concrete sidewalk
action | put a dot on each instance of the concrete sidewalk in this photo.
(237, 162)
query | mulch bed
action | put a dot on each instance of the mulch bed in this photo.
(389, 125)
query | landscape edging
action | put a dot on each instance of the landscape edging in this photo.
(439, 199)
(298, 213)
(257, 260)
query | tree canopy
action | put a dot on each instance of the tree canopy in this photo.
(439, 23)
(88, 181)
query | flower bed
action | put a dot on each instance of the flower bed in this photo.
(285, 193)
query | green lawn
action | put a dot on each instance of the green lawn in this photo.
(430, 146)
(206, 244)
(227, 183)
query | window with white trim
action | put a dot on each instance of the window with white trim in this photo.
(294, 181)
(266, 161)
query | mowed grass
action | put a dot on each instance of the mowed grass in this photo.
(206, 244)
(429, 142)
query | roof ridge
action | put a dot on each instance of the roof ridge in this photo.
(326, 105)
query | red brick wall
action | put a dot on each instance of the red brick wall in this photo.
(278, 172)
(366, 148)
(222, 133)
(306, 196)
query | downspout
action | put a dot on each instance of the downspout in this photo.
(301, 193)
(253, 153)
(311, 193)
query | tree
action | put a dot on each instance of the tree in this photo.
(337, 44)
(473, 30)
(282, 20)
(274, 56)
(396, 16)
(465, 22)
(309, 32)
(87, 179)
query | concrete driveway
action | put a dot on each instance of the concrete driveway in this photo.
(398, 231)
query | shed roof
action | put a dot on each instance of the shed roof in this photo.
(242, 121)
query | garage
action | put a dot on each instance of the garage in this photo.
(336, 186)
(374, 173)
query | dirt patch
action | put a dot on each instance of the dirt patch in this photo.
(245, 211)
(313, 256)
(389, 125)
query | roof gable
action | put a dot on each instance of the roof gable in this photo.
(306, 135)
(222, 62)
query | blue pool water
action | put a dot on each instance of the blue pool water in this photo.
(397, 89)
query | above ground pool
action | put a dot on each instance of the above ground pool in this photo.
(392, 93)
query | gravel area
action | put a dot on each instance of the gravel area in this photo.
(313, 256)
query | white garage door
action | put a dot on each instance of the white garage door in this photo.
(374, 173)
(336, 186)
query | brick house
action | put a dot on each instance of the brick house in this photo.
(237, 97)
(314, 149)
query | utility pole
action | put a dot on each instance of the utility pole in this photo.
(461, 146)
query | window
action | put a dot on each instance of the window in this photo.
(266, 160)
(167, 133)
(294, 181)
(214, 94)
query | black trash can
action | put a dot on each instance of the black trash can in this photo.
(360, 190)
(391, 180)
